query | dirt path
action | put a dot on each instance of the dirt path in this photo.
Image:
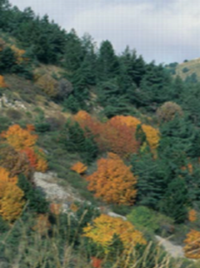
(174, 250)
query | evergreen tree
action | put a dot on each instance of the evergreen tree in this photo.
(153, 179)
(175, 200)
(154, 87)
(73, 52)
(108, 65)
(7, 60)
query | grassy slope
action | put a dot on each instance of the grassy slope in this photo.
(193, 66)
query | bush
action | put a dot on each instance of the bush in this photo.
(14, 114)
(56, 123)
(4, 123)
(64, 89)
(185, 70)
(168, 111)
(148, 220)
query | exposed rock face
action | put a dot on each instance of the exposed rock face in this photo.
(6, 103)
(48, 183)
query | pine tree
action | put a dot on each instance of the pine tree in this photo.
(108, 65)
(175, 201)
(73, 52)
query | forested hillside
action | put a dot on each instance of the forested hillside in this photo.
(125, 134)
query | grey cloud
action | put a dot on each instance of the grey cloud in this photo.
(166, 31)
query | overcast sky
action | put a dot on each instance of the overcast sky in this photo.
(161, 30)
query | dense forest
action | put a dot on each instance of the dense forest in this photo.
(127, 138)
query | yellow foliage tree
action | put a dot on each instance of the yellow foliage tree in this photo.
(19, 138)
(19, 54)
(48, 84)
(104, 227)
(113, 181)
(12, 203)
(11, 196)
(152, 136)
(79, 167)
(192, 247)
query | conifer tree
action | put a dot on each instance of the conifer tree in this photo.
(175, 201)
(108, 65)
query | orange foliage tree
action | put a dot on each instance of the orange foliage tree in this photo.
(2, 82)
(113, 181)
(129, 120)
(104, 227)
(11, 196)
(118, 135)
(115, 136)
(192, 247)
(120, 138)
(192, 215)
(79, 167)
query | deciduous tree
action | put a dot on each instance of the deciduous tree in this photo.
(192, 247)
(113, 181)
(104, 227)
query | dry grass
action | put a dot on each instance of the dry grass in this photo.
(193, 66)
(48, 70)
(44, 250)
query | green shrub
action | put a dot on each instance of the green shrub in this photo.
(4, 123)
(185, 70)
(148, 220)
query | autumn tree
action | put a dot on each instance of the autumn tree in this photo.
(16, 162)
(2, 82)
(192, 215)
(152, 137)
(23, 142)
(113, 181)
(192, 247)
(103, 229)
(117, 135)
(19, 138)
(119, 138)
(12, 203)
(79, 167)
(11, 196)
